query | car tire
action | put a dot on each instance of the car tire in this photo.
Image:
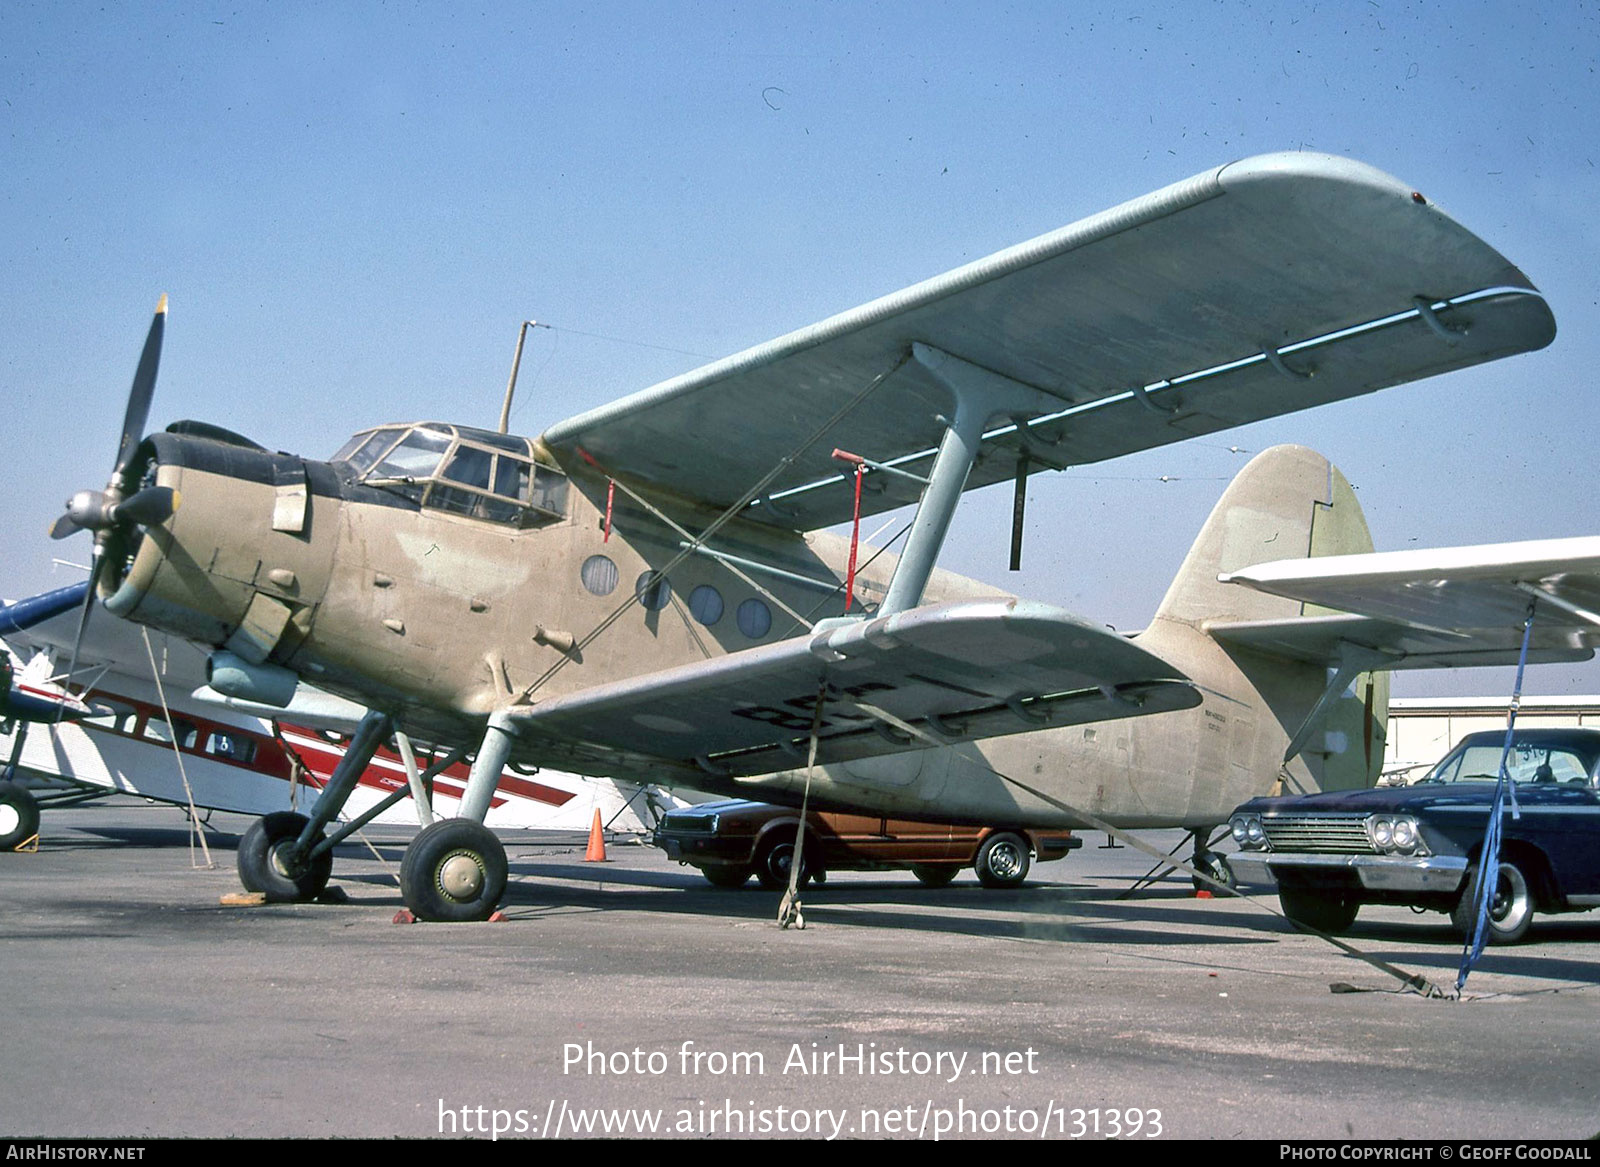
(19, 816)
(1003, 860)
(726, 875)
(1330, 912)
(772, 864)
(935, 874)
(1510, 911)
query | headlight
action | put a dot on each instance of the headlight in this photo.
(1246, 830)
(1397, 834)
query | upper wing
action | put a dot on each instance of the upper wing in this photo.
(1436, 607)
(957, 671)
(1252, 290)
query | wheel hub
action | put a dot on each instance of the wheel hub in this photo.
(461, 876)
(10, 820)
(1004, 861)
(285, 862)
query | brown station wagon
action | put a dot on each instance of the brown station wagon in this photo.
(730, 841)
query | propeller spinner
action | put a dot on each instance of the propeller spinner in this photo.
(108, 512)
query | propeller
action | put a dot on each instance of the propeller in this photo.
(107, 512)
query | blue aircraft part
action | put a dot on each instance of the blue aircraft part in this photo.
(26, 613)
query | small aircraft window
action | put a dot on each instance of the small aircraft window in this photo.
(755, 618)
(234, 747)
(473, 504)
(599, 575)
(416, 456)
(549, 491)
(511, 477)
(118, 718)
(363, 450)
(156, 729)
(653, 590)
(469, 467)
(705, 604)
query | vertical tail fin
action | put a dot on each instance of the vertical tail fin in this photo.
(1288, 502)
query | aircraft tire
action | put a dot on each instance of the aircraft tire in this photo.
(19, 816)
(1510, 911)
(453, 872)
(262, 866)
(1003, 860)
(726, 875)
(935, 874)
(1216, 866)
(1329, 912)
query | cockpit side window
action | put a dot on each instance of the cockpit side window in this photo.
(469, 467)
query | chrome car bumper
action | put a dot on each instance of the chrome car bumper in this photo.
(1380, 872)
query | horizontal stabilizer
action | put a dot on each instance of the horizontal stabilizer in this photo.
(1255, 289)
(1433, 607)
(958, 671)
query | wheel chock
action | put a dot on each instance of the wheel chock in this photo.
(404, 916)
(243, 899)
(597, 842)
(498, 917)
(30, 845)
(1203, 893)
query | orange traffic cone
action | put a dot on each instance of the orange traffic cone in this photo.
(597, 842)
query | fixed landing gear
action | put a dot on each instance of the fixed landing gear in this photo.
(272, 862)
(19, 816)
(454, 871)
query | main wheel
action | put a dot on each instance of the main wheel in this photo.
(1331, 912)
(1510, 909)
(726, 874)
(19, 816)
(454, 871)
(1003, 860)
(267, 862)
(935, 874)
(772, 864)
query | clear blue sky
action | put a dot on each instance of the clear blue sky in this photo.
(354, 205)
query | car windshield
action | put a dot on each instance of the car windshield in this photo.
(1528, 762)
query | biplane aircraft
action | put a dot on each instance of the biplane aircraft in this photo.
(648, 590)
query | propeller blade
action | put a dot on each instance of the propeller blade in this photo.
(63, 527)
(144, 387)
(152, 505)
(83, 619)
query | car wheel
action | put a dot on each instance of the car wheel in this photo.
(1325, 911)
(1510, 909)
(772, 865)
(1002, 860)
(935, 874)
(19, 816)
(726, 875)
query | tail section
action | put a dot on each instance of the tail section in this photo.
(1289, 502)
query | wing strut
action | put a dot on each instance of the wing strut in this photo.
(979, 394)
(1353, 661)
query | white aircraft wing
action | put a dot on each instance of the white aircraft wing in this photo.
(1252, 290)
(1434, 607)
(958, 671)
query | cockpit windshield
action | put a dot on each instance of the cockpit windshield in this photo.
(460, 470)
(1530, 761)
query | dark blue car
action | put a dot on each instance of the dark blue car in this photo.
(1418, 845)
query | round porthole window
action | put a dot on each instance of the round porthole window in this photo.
(653, 590)
(705, 604)
(599, 575)
(755, 618)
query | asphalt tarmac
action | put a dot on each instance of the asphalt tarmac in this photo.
(631, 997)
